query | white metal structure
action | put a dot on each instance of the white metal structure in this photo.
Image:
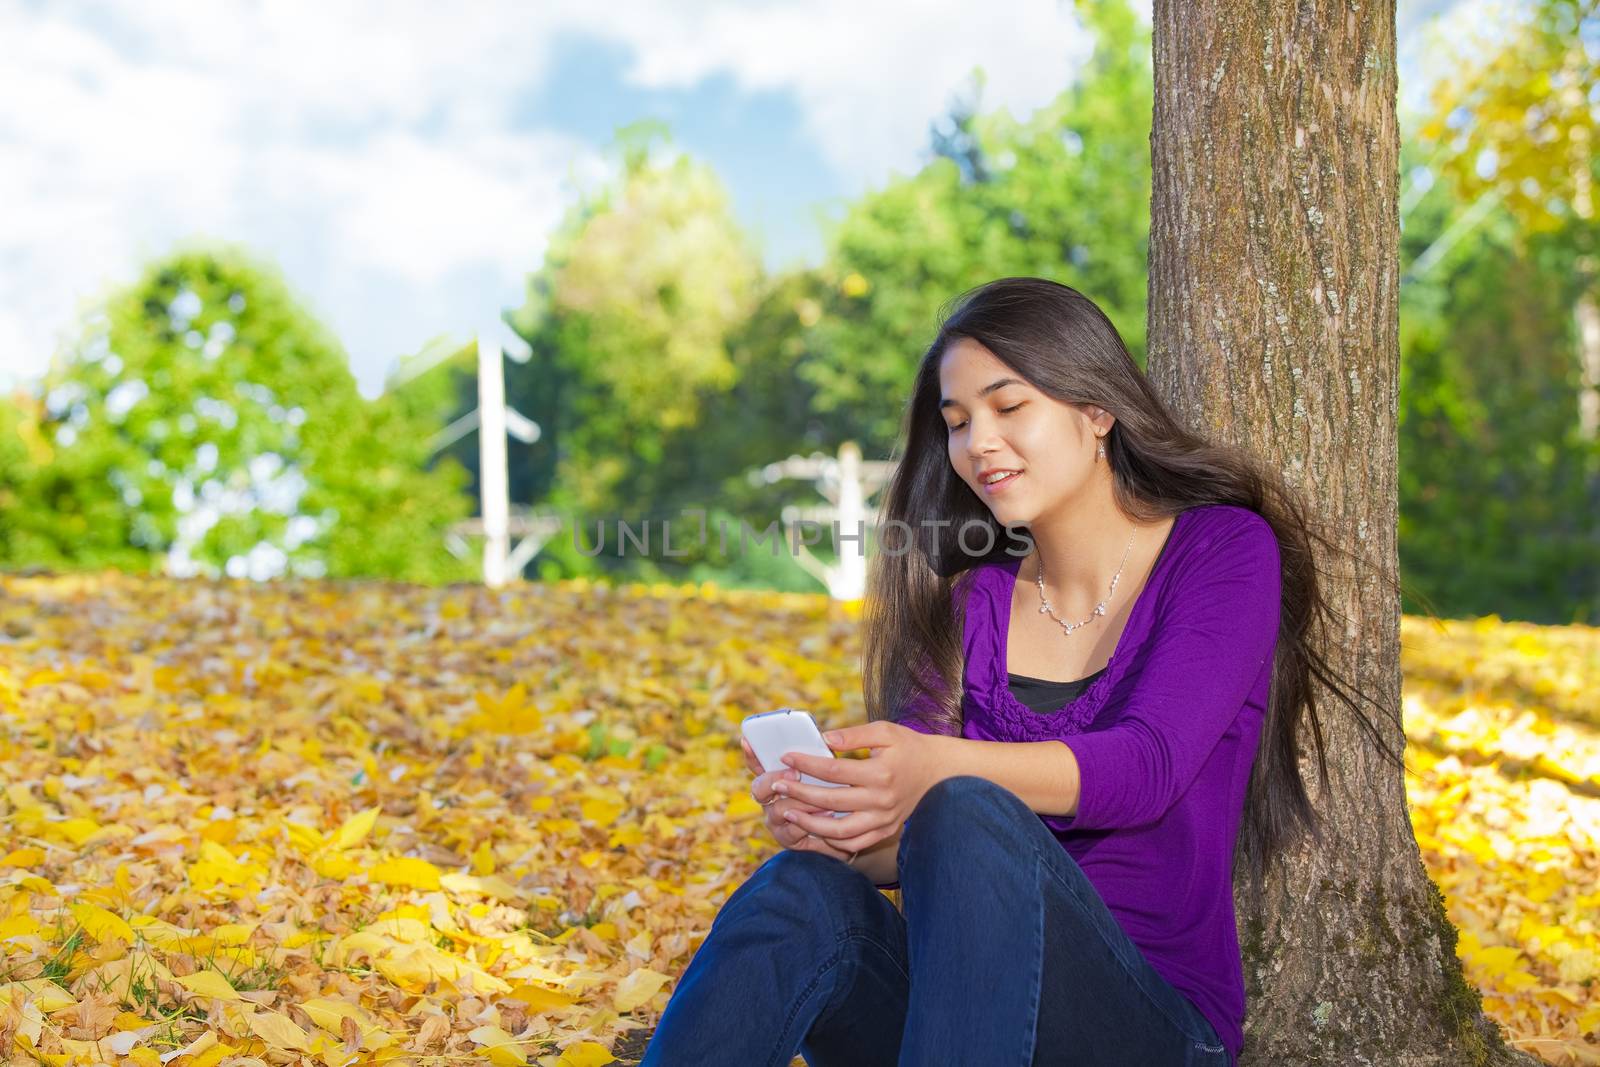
(494, 493)
(847, 481)
(493, 420)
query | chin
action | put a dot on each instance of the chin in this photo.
(1009, 511)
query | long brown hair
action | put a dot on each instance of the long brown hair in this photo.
(1062, 343)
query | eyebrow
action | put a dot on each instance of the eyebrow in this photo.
(985, 391)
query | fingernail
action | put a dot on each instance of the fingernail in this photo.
(791, 816)
(780, 787)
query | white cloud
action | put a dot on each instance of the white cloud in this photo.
(372, 150)
(869, 77)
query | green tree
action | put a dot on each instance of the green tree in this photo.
(1064, 194)
(1502, 340)
(56, 504)
(1494, 513)
(628, 321)
(770, 412)
(1520, 124)
(821, 356)
(204, 421)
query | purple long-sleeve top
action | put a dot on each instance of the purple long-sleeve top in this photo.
(1164, 742)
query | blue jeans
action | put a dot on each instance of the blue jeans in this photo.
(1005, 956)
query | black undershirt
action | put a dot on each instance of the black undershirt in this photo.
(1045, 696)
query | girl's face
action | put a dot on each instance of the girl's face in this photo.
(997, 422)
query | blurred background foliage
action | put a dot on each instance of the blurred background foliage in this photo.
(202, 421)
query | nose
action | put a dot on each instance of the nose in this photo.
(982, 439)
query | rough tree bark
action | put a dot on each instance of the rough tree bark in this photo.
(1274, 324)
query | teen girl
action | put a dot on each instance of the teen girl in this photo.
(1084, 670)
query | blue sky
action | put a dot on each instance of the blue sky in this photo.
(755, 139)
(402, 160)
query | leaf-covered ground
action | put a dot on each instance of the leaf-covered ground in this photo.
(350, 823)
(1503, 724)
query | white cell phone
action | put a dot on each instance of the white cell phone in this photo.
(772, 734)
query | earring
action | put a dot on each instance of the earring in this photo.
(1101, 450)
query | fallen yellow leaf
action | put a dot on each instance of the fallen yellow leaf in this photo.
(407, 872)
(278, 1030)
(638, 987)
(208, 984)
(499, 1046)
(355, 829)
(585, 1054)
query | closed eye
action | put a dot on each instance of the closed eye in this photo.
(1003, 411)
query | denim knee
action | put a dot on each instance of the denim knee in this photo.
(960, 819)
(812, 870)
(954, 800)
(813, 892)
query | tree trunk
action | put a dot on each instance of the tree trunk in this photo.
(1274, 256)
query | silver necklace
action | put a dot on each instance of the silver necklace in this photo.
(1099, 609)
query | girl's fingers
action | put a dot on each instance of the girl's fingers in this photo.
(782, 829)
(857, 843)
(761, 788)
(791, 836)
(785, 831)
(843, 832)
(804, 842)
(750, 757)
(818, 844)
(828, 797)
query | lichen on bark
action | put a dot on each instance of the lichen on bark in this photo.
(1479, 1037)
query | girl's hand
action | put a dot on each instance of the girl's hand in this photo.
(787, 834)
(879, 793)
